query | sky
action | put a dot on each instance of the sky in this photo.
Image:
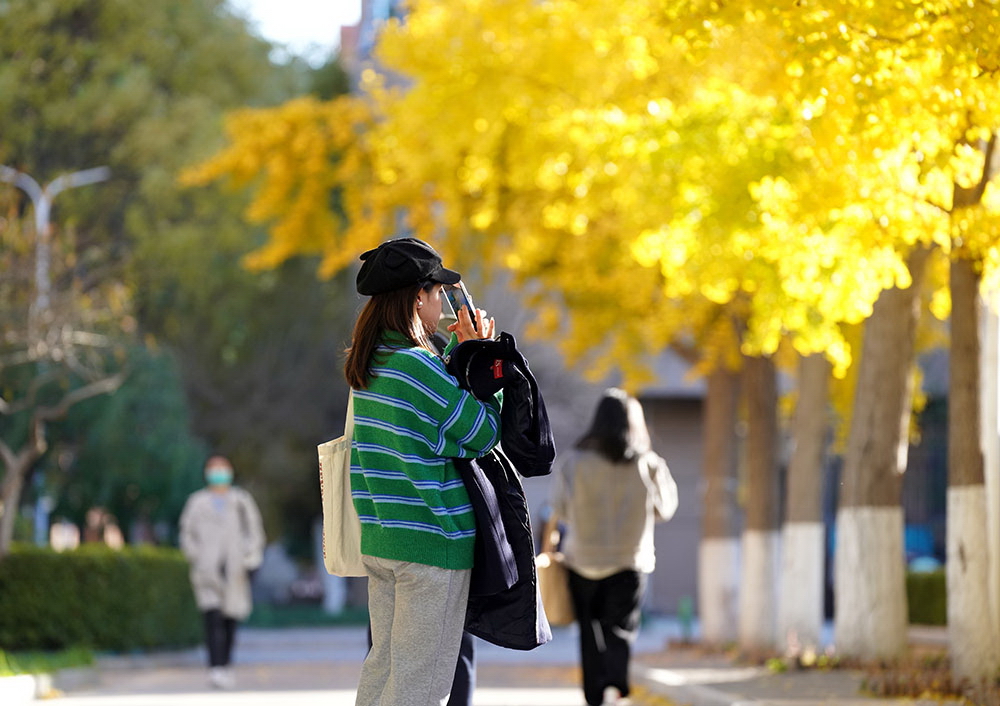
(310, 28)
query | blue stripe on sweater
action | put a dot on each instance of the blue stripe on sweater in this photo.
(400, 475)
(395, 402)
(452, 418)
(417, 526)
(415, 383)
(480, 420)
(404, 500)
(394, 429)
(424, 357)
(406, 458)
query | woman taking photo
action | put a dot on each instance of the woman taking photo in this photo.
(608, 492)
(417, 525)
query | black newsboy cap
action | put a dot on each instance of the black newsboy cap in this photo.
(401, 263)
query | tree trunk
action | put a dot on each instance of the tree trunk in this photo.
(800, 609)
(758, 598)
(18, 464)
(870, 583)
(719, 551)
(973, 644)
(10, 497)
(990, 434)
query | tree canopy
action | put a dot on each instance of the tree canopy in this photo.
(141, 88)
(646, 163)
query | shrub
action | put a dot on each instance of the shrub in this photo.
(927, 598)
(293, 616)
(95, 597)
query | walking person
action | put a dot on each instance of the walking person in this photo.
(607, 493)
(222, 536)
(417, 525)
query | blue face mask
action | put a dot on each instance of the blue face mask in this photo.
(219, 475)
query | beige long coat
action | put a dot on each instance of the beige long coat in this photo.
(223, 539)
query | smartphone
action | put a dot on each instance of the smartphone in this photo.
(458, 296)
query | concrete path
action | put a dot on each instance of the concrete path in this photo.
(313, 666)
(302, 667)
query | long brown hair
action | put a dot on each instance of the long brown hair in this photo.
(618, 431)
(390, 311)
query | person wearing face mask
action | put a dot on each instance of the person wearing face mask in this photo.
(222, 536)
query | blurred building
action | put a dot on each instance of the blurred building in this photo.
(349, 47)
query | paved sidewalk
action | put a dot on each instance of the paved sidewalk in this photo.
(689, 676)
(301, 667)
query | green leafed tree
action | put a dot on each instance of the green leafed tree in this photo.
(132, 453)
(141, 88)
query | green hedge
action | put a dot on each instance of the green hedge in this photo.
(927, 598)
(294, 616)
(98, 598)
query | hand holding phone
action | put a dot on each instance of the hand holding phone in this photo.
(458, 296)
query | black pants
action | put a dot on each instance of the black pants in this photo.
(464, 682)
(220, 632)
(608, 613)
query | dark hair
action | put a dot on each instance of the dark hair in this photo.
(389, 311)
(618, 431)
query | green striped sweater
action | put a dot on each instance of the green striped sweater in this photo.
(408, 425)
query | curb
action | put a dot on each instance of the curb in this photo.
(26, 688)
(17, 690)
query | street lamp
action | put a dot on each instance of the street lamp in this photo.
(41, 198)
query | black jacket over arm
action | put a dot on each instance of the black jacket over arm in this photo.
(504, 604)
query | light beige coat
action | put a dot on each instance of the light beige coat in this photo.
(223, 539)
(609, 510)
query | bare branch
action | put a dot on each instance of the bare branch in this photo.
(86, 338)
(7, 454)
(9, 408)
(19, 358)
(93, 389)
(687, 351)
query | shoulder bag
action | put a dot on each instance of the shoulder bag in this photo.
(341, 526)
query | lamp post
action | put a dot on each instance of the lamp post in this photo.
(41, 198)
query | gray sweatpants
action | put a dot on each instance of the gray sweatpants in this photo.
(417, 616)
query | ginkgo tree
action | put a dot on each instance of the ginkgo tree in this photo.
(657, 172)
(914, 86)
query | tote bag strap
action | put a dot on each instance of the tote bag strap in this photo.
(349, 422)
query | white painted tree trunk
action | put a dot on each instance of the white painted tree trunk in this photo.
(719, 589)
(800, 594)
(870, 581)
(758, 594)
(870, 608)
(800, 614)
(761, 536)
(971, 633)
(719, 550)
(990, 406)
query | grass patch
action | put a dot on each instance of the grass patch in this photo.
(14, 663)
